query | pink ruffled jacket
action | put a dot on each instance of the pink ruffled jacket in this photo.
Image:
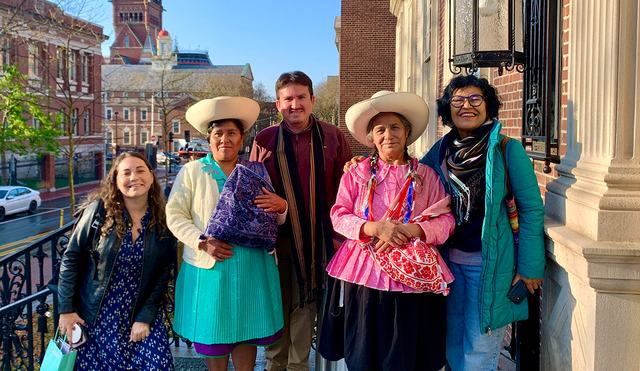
(431, 210)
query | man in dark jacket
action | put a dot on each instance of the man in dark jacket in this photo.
(304, 157)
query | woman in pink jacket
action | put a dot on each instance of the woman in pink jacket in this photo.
(393, 212)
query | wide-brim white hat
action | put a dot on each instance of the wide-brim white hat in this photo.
(201, 114)
(409, 105)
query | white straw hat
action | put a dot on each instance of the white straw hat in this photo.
(409, 105)
(201, 114)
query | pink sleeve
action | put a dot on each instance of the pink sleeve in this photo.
(343, 215)
(436, 219)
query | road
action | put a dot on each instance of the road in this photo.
(21, 229)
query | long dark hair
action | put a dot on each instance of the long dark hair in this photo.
(113, 202)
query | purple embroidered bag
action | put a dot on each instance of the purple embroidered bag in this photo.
(236, 220)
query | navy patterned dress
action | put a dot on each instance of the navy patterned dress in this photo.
(108, 347)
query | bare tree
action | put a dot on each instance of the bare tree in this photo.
(221, 85)
(62, 51)
(171, 99)
(327, 95)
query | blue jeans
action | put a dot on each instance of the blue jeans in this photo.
(467, 348)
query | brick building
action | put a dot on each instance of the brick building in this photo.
(137, 24)
(150, 84)
(61, 56)
(365, 37)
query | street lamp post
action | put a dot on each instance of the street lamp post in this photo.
(104, 129)
(115, 114)
(104, 118)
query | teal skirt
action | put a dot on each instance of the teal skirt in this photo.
(237, 300)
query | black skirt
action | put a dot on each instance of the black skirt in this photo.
(385, 331)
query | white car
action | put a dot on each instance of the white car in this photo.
(14, 199)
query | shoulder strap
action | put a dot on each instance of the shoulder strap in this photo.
(510, 200)
(503, 150)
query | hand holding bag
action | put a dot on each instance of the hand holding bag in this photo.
(236, 219)
(59, 355)
(415, 264)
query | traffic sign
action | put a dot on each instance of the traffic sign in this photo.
(153, 138)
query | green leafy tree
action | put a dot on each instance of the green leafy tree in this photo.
(17, 106)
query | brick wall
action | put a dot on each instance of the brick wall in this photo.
(367, 55)
(509, 86)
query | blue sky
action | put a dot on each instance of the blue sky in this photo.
(272, 36)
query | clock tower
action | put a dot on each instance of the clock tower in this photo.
(136, 24)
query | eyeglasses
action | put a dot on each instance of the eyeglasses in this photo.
(475, 100)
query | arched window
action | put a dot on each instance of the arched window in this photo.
(126, 41)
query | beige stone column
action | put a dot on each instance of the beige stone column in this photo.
(591, 304)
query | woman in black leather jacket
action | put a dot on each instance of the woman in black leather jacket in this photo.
(114, 274)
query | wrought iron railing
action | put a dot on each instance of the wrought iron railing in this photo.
(28, 311)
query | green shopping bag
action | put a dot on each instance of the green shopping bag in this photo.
(59, 355)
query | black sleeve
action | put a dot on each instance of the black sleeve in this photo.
(156, 296)
(79, 242)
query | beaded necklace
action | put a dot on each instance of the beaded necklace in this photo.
(406, 193)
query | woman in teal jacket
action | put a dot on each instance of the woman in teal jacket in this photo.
(481, 252)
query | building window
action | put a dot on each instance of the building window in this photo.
(72, 66)
(143, 114)
(85, 69)
(60, 57)
(126, 114)
(125, 95)
(121, 18)
(5, 55)
(176, 146)
(144, 137)
(109, 137)
(163, 49)
(126, 137)
(126, 41)
(36, 123)
(74, 121)
(141, 94)
(108, 114)
(87, 122)
(33, 60)
(176, 126)
(160, 114)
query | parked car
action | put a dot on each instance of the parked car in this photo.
(199, 151)
(15, 199)
(161, 158)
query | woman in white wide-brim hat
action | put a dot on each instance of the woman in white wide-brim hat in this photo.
(228, 291)
(394, 212)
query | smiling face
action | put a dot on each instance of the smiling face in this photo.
(225, 141)
(468, 118)
(295, 103)
(134, 179)
(389, 136)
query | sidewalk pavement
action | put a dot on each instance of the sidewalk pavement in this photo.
(186, 359)
(84, 188)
